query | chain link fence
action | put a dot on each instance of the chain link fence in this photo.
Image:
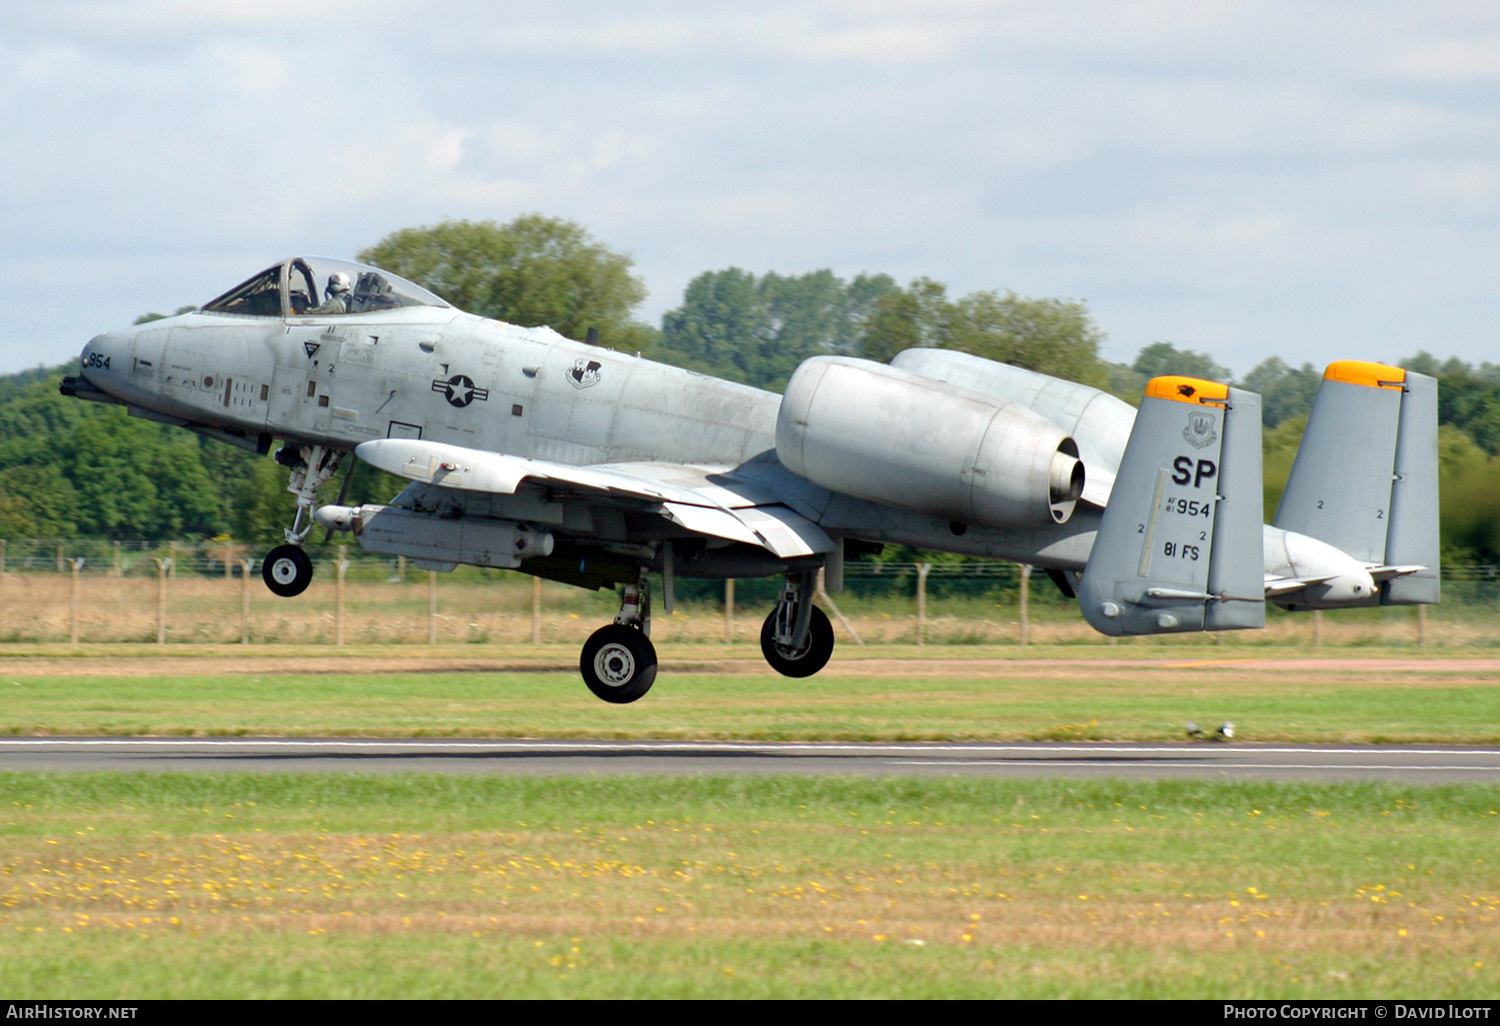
(100, 590)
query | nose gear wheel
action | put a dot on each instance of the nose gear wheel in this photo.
(287, 570)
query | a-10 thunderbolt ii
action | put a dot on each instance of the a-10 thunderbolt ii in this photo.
(570, 461)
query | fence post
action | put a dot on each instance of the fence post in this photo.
(828, 601)
(117, 567)
(340, 565)
(60, 567)
(163, 566)
(245, 565)
(432, 607)
(536, 610)
(77, 565)
(729, 611)
(1025, 601)
(922, 569)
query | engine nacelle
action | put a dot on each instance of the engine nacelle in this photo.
(1098, 422)
(878, 433)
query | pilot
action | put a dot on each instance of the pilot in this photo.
(335, 296)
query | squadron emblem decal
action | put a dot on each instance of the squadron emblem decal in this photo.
(584, 372)
(1200, 430)
(459, 390)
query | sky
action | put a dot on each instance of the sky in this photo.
(1245, 178)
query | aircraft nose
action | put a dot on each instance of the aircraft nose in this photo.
(100, 355)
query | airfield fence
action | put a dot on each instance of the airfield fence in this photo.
(102, 590)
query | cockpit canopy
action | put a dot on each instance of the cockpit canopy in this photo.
(305, 286)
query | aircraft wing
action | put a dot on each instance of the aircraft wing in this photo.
(704, 500)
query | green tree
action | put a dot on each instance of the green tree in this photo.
(532, 271)
(147, 318)
(1125, 382)
(1164, 358)
(1284, 392)
(1052, 336)
(758, 329)
(37, 502)
(1467, 399)
(918, 316)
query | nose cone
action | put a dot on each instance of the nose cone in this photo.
(102, 355)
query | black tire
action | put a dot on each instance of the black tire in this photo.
(618, 663)
(813, 656)
(287, 570)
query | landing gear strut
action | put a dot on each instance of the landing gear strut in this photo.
(618, 661)
(797, 639)
(287, 569)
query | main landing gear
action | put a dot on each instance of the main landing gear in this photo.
(287, 569)
(618, 661)
(797, 639)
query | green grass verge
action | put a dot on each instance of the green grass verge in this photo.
(139, 886)
(910, 701)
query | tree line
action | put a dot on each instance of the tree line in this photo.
(70, 469)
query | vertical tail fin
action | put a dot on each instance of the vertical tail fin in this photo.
(1179, 547)
(1365, 479)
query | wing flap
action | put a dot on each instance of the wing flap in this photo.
(717, 523)
(704, 500)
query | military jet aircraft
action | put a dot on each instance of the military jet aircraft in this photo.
(570, 461)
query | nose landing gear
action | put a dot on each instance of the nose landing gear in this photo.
(288, 569)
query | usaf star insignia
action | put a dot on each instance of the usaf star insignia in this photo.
(460, 390)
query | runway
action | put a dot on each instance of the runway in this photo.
(1411, 764)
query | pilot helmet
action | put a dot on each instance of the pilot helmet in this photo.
(338, 283)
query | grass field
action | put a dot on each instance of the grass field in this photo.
(335, 886)
(159, 885)
(717, 691)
